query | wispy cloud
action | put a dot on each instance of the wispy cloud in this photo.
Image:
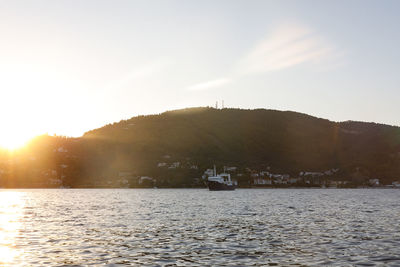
(286, 46)
(138, 73)
(210, 84)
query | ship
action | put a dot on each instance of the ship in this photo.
(220, 182)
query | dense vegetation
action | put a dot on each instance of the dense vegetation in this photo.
(197, 138)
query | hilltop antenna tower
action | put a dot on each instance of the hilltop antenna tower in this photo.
(216, 105)
(223, 104)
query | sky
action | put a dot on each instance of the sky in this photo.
(70, 66)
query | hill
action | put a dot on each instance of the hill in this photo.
(177, 146)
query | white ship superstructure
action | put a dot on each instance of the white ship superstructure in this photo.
(222, 181)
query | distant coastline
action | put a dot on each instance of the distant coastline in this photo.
(175, 149)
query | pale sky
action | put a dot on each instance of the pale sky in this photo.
(70, 66)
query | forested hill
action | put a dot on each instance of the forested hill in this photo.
(192, 140)
(286, 141)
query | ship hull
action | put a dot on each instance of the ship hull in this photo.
(215, 186)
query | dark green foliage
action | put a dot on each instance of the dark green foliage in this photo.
(287, 141)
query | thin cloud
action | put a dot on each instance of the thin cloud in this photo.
(286, 47)
(145, 71)
(210, 84)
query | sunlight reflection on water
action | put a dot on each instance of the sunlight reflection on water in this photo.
(11, 209)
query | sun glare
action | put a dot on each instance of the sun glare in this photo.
(37, 100)
(13, 141)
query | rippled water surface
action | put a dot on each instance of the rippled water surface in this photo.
(163, 227)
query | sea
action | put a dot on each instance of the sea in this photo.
(197, 227)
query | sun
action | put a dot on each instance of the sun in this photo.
(37, 100)
(14, 140)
